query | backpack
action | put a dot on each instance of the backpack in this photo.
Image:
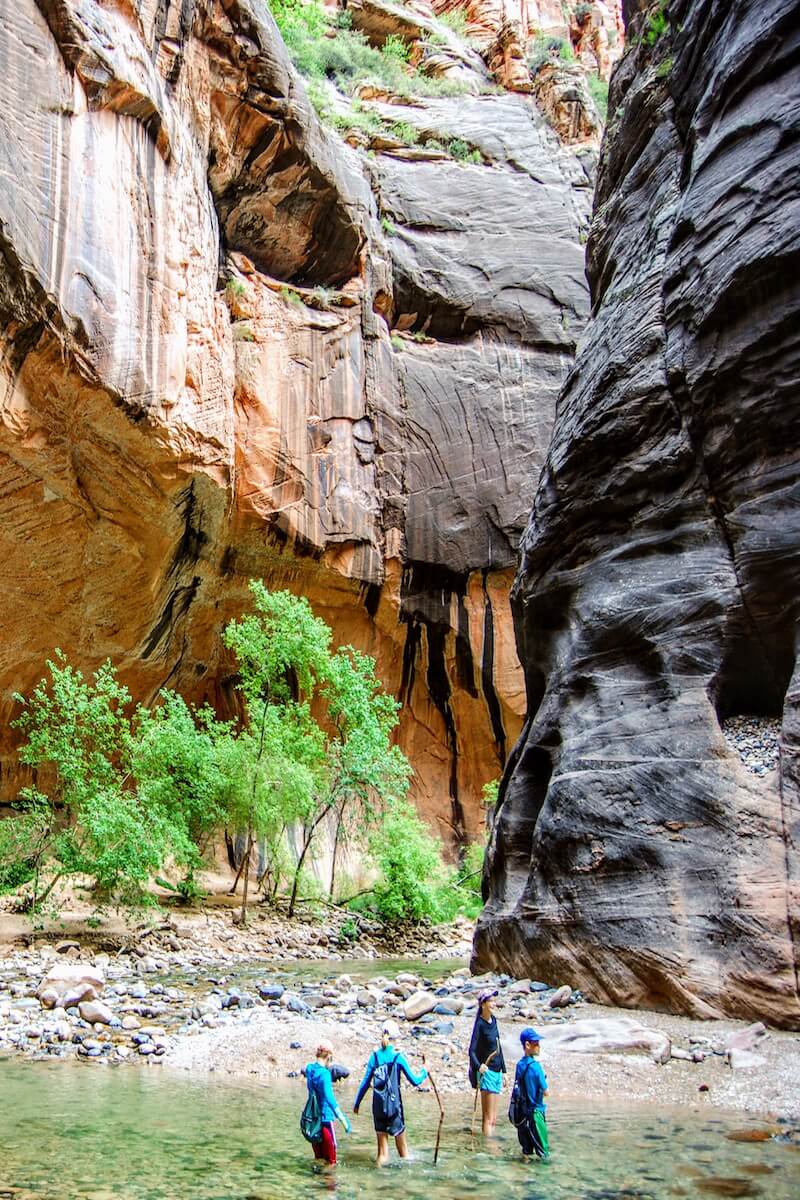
(386, 1103)
(520, 1107)
(311, 1118)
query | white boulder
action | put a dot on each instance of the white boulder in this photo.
(560, 997)
(603, 1035)
(67, 984)
(95, 1012)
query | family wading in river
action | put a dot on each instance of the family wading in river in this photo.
(383, 1074)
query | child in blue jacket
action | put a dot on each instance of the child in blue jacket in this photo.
(319, 1082)
(530, 1085)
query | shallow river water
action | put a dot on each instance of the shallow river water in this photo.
(90, 1132)
(315, 971)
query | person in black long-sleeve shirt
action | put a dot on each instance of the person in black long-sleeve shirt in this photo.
(486, 1062)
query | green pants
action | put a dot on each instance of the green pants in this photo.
(532, 1134)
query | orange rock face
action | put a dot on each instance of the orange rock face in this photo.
(547, 49)
(198, 383)
(595, 30)
(560, 91)
(597, 34)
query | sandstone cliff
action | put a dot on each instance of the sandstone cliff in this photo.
(633, 852)
(235, 346)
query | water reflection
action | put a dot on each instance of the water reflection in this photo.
(95, 1133)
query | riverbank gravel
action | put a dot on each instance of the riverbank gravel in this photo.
(210, 1011)
(756, 740)
(269, 1046)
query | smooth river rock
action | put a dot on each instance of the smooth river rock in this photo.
(418, 1004)
(67, 984)
(95, 1012)
(604, 1035)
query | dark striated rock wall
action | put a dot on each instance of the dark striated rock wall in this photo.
(632, 851)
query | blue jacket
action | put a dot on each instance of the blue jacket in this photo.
(532, 1082)
(318, 1080)
(381, 1057)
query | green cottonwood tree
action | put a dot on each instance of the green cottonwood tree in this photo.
(366, 770)
(182, 768)
(413, 879)
(282, 651)
(304, 770)
(91, 819)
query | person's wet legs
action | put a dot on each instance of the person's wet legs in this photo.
(401, 1144)
(325, 1148)
(489, 1102)
(532, 1140)
(383, 1149)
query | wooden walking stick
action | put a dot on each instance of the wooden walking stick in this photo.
(477, 1090)
(441, 1114)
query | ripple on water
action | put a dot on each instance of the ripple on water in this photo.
(149, 1135)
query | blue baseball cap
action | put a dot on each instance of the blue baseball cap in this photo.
(529, 1035)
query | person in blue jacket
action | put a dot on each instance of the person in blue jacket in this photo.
(531, 1083)
(318, 1082)
(383, 1072)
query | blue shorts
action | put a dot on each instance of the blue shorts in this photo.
(491, 1081)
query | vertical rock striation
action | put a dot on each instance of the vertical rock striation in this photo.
(632, 852)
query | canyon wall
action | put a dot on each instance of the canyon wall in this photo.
(633, 852)
(234, 346)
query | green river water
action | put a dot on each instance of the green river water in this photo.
(89, 1132)
(315, 971)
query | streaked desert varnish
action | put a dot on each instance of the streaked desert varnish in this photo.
(163, 436)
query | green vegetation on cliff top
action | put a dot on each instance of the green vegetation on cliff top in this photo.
(325, 47)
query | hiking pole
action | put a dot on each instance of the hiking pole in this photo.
(441, 1114)
(477, 1090)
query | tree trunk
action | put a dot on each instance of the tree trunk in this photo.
(298, 868)
(243, 918)
(272, 873)
(232, 892)
(41, 899)
(339, 820)
(309, 833)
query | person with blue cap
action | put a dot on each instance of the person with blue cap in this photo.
(527, 1108)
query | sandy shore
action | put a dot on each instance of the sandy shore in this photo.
(260, 1047)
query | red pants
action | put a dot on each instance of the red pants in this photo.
(326, 1147)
